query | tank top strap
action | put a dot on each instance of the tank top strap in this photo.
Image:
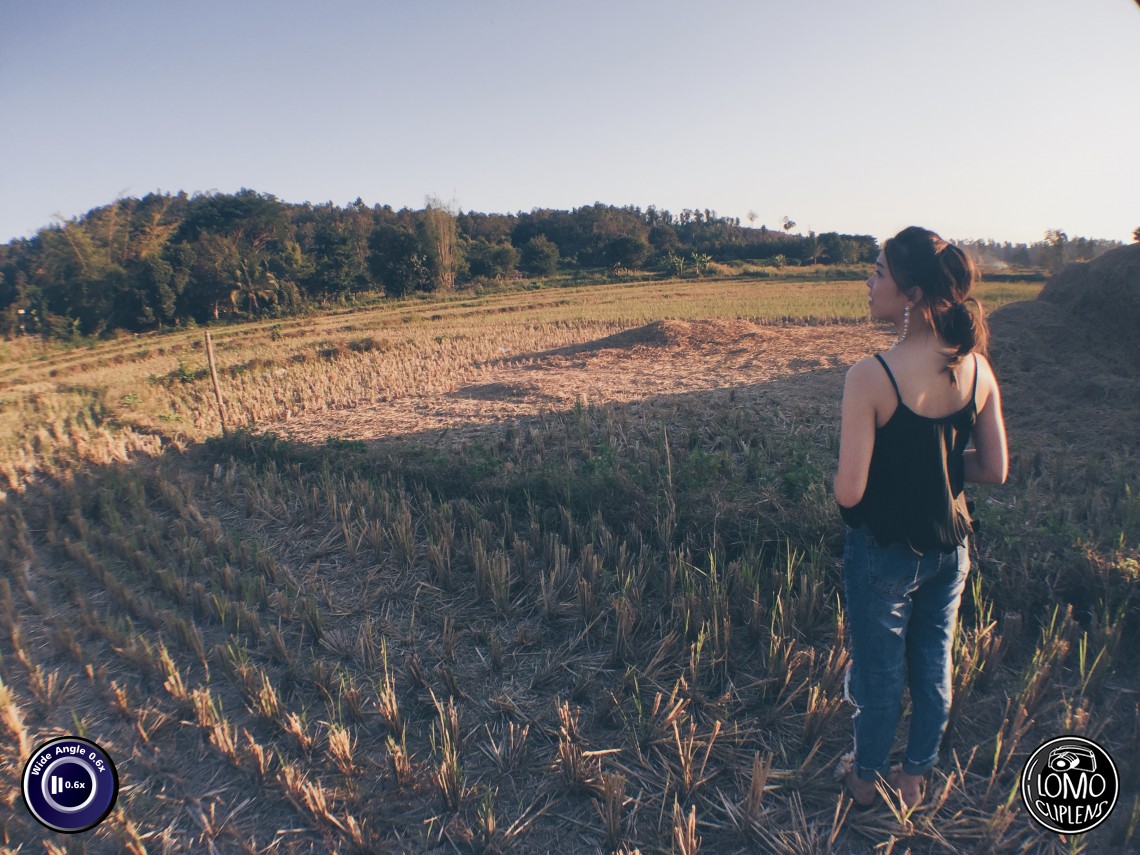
(974, 395)
(883, 362)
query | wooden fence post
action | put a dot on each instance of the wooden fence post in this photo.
(214, 378)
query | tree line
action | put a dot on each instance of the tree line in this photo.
(168, 259)
(1056, 250)
(171, 259)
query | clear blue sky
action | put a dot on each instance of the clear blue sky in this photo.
(977, 118)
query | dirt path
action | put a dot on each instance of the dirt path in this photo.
(662, 358)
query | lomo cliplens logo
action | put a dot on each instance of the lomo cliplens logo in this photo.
(1069, 785)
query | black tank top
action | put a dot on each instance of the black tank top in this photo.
(914, 487)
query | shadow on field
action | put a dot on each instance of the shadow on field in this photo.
(570, 631)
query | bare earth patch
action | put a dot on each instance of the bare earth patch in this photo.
(659, 359)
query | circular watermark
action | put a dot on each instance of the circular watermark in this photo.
(1069, 785)
(70, 784)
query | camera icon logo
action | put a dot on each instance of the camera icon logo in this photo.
(70, 784)
(1072, 758)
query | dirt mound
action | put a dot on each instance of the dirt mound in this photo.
(1104, 295)
(672, 334)
(1026, 332)
(500, 392)
(1089, 312)
(1074, 350)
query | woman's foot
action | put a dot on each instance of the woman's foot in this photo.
(911, 788)
(863, 793)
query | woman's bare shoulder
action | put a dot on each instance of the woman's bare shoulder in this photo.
(865, 369)
(867, 379)
(987, 380)
(985, 370)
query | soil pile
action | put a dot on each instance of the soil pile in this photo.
(1088, 313)
(1104, 295)
(672, 334)
(1074, 351)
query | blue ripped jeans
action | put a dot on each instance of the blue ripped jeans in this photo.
(902, 610)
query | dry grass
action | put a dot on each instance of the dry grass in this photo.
(596, 614)
(116, 400)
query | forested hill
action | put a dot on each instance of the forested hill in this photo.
(140, 264)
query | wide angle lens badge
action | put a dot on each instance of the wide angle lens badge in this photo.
(70, 784)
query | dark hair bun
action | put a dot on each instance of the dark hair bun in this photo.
(957, 325)
(919, 258)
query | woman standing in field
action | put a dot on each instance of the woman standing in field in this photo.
(908, 415)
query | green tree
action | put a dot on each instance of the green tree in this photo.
(1057, 243)
(78, 279)
(539, 256)
(846, 249)
(398, 261)
(213, 260)
(234, 243)
(491, 260)
(255, 285)
(492, 227)
(336, 268)
(816, 249)
(154, 289)
(626, 251)
(663, 238)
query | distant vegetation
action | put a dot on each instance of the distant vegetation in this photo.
(1056, 250)
(171, 260)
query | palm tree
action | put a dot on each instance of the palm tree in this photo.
(816, 250)
(253, 280)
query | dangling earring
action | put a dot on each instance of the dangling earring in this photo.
(906, 324)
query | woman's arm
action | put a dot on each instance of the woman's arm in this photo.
(857, 433)
(988, 461)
